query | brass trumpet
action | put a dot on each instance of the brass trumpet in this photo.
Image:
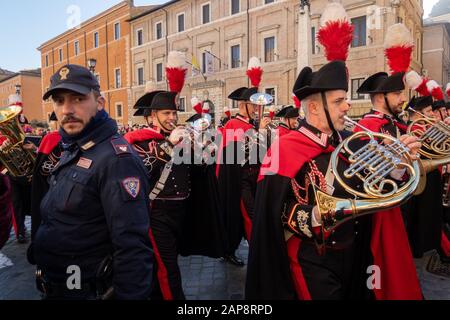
(371, 164)
(17, 161)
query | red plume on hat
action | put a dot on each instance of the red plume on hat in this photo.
(297, 102)
(435, 89)
(336, 32)
(254, 71)
(205, 108)
(176, 70)
(398, 46)
(227, 112)
(196, 105)
(15, 100)
(417, 83)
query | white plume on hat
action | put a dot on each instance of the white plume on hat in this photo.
(413, 79)
(205, 106)
(333, 12)
(431, 85)
(254, 63)
(176, 59)
(447, 89)
(398, 35)
(226, 109)
(194, 101)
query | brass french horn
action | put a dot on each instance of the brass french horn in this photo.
(435, 138)
(18, 161)
(372, 165)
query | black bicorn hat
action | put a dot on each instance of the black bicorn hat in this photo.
(288, 112)
(164, 100)
(381, 82)
(243, 94)
(194, 118)
(439, 104)
(420, 103)
(144, 103)
(332, 76)
(74, 78)
(447, 105)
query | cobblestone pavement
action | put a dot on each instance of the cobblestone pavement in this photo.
(203, 278)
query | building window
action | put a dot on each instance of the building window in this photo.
(235, 56)
(206, 13)
(180, 22)
(60, 55)
(118, 78)
(269, 49)
(356, 83)
(399, 20)
(235, 6)
(139, 37)
(268, 1)
(95, 39)
(158, 30)
(159, 72)
(119, 113)
(140, 76)
(117, 31)
(46, 60)
(313, 40)
(76, 46)
(359, 33)
(273, 93)
(182, 106)
(234, 104)
(204, 62)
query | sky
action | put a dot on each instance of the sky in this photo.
(26, 24)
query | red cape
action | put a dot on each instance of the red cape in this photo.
(142, 135)
(49, 142)
(390, 245)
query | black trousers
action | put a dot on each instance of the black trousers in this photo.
(166, 221)
(21, 199)
(248, 189)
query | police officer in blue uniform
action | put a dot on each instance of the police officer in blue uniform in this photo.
(93, 239)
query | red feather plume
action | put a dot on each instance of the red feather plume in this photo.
(437, 93)
(255, 76)
(175, 78)
(296, 101)
(399, 58)
(422, 88)
(336, 37)
(198, 108)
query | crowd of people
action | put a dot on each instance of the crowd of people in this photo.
(318, 204)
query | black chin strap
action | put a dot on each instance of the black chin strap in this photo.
(160, 123)
(327, 113)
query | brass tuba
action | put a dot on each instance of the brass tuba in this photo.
(371, 165)
(18, 161)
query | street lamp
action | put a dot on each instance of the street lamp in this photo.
(18, 87)
(91, 65)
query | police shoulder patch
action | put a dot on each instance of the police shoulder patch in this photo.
(120, 146)
(132, 186)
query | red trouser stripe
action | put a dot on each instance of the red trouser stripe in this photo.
(162, 271)
(293, 245)
(247, 221)
(445, 244)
